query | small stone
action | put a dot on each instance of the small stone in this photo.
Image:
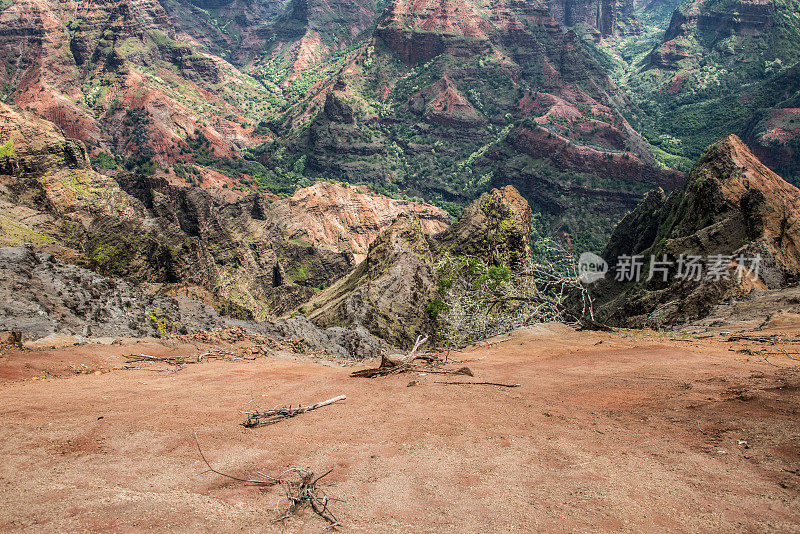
(12, 338)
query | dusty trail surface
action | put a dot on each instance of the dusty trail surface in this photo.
(625, 431)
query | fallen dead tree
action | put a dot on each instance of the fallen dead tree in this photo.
(478, 301)
(269, 417)
(391, 365)
(301, 487)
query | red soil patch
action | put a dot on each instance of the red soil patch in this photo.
(625, 431)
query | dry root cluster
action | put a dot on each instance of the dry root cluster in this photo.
(301, 488)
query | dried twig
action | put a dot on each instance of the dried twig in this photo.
(480, 384)
(269, 417)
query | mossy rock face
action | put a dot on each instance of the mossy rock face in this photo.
(120, 251)
(389, 291)
(495, 228)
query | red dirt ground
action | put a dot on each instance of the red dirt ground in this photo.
(627, 431)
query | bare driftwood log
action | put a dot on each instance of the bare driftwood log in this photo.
(300, 486)
(270, 417)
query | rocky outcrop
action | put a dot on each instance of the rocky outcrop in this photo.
(337, 109)
(722, 68)
(774, 133)
(303, 33)
(542, 142)
(698, 27)
(37, 146)
(495, 228)
(41, 296)
(417, 30)
(733, 208)
(389, 291)
(441, 103)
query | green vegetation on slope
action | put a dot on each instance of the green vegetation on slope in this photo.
(727, 78)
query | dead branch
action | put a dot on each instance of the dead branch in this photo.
(225, 355)
(775, 342)
(409, 368)
(479, 384)
(301, 491)
(176, 363)
(265, 481)
(764, 339)
(269, 417)
(460, 371)
(417, 344)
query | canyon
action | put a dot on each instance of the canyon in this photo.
(256, 255)
(422, 211)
